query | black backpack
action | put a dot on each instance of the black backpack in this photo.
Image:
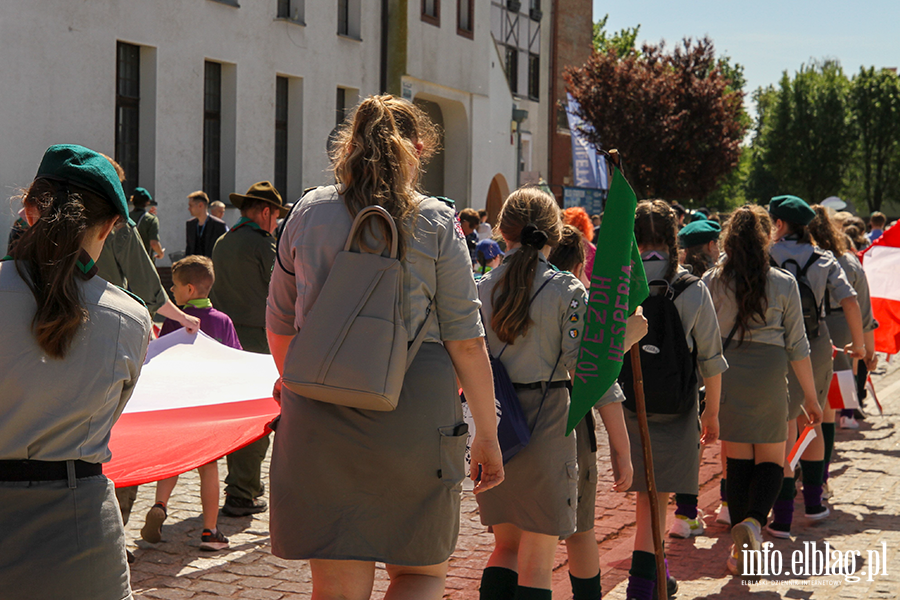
(811, 309)
(669, 366)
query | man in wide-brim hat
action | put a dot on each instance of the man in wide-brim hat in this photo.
(243, 259)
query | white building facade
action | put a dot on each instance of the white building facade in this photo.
(219, 94)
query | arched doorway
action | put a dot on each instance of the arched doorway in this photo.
(497, 193)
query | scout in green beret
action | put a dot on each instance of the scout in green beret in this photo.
(791, 209)
(700, 240)
(147, 222)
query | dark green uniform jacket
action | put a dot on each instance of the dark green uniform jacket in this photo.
(125, 263)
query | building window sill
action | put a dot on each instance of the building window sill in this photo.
(291, 21)
(352, 38)
(466, 33)
(436, 21)
(233, 3)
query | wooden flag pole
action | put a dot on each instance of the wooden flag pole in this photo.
(644, 428)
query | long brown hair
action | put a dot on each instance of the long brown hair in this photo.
(46, 257)
(697, 258)
(745, 270)
(656, 224)
(825, 233)
(375, 159)
(530, 217)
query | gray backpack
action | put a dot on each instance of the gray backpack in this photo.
(352, 349)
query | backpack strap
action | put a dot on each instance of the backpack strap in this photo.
(413, 349)
(730, 336)
(812, 259)
(683, 282)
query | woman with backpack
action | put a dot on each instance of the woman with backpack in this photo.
(534, 316)
(817, 272)
(826, 236)
(351, 487)
(759, 307)
(673, 410)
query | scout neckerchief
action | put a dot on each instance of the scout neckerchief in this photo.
(199, 303)
(248, 222)
(85, 266)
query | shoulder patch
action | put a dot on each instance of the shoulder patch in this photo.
(134, 296)
(573, 333)
(573, 304)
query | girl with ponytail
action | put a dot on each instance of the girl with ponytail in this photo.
(535, 315)
(351, 487)
(758, 310)
(71, 349)
(677, 468)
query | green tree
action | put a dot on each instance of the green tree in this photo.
(875, 106)
(804, 138)
(623, 42)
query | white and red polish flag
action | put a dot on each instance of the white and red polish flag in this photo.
(842, 391)
(196, 401)
(881, 262)
(808, 435)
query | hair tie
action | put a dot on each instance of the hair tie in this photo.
(533, 237)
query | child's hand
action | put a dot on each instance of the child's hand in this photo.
(871, 361)
(623, 472)
(635, 328)
(190, 323)
(813, 410)
(709, 425)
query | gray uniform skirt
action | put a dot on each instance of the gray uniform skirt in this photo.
(754, 405)
(349, 484)
(840, 337)
(540, 491)
(820, 353)
(675, 443)
(57, 542)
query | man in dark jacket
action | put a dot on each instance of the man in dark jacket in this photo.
(243, 259)
(204, 229)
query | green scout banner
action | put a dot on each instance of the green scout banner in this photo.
(618, 286)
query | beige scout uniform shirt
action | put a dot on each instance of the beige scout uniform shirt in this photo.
(557, 315)
(855, 274)
(56, 410)
(784, 315)
(436, 265)
(824, 275)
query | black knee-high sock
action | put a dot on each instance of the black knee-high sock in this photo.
(764, 489)
(828, 438)
(498, 583)
(813, 477)
(740, 474)
(530, 593)
(586, 589)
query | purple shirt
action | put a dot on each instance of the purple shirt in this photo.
(213, 323)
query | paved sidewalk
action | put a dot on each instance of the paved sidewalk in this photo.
(865, 507)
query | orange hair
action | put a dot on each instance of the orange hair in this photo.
(577, 217)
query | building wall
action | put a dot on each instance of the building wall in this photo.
(573, 42)
(57, 85)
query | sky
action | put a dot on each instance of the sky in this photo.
(768, 37)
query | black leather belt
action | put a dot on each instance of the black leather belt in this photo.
(43, 470)
(537, 385)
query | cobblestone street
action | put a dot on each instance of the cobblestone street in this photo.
(865, 481)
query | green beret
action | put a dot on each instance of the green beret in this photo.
(698, 216)
(142, 196)
(699, 233)
(70, 163)
(791, 209)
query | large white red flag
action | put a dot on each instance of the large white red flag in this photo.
(881, 262)
(842, 391)
(196, 401)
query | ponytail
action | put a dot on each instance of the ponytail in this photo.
(746, 266)
(376, 162)
(656, 224)
(531, 218)
(825, 233)
(47, 258)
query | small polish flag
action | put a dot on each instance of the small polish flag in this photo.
(842, 392)
(871, 387)
(800, 447)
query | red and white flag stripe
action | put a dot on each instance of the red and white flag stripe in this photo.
(881, 262)
(842, 392)
(799, 448)
(196, 401)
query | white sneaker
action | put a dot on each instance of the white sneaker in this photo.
(826, 491)
(684, 528)
(722, 515)
(849, 423)
(747, 537)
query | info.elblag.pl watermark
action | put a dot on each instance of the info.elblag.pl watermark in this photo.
(814, 560)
